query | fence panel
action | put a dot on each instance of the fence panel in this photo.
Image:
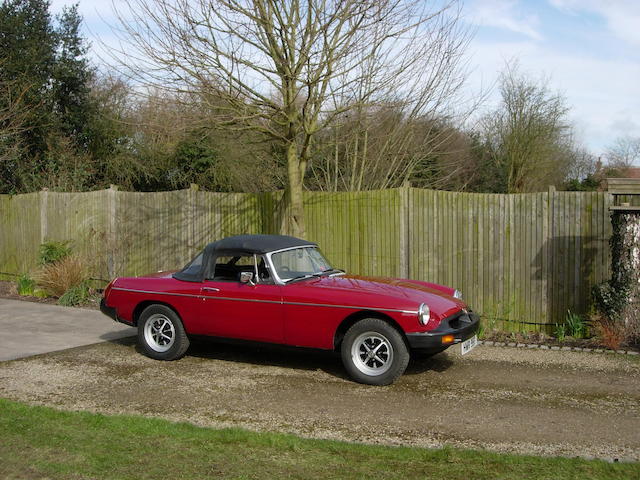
(524, 258)
(20, 232)
(358, 231)
(81, 218)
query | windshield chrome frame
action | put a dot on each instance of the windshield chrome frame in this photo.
(274, 272)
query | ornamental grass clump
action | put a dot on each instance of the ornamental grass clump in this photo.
(62, 274)
(58, 277)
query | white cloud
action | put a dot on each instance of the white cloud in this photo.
(622, 16)
(505, 15)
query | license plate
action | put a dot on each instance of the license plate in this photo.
(469, 344)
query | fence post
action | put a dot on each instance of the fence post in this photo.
(404, 230)
(44, 220)
(111, 214)
(552, 277)
(193, 216)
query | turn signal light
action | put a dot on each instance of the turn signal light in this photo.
(448, 339)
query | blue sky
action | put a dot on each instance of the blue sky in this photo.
(587, 50)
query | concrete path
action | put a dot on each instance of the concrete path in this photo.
(33, 328)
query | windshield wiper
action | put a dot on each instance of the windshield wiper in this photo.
(303, 277)
(317, 274)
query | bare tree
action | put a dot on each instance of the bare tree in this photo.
(623, 153)
(12, 124)
(287, 69)
(387, 150)
(528, 137)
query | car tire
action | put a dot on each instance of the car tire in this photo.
(161, 334)
(373, 352)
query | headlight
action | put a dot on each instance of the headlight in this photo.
(458, 294)
(424, 314)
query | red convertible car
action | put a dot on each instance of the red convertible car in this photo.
(280, 289)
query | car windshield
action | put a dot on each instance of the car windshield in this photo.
(300, 263)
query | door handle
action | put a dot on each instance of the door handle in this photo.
(210, 289)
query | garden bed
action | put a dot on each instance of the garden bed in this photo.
(543, 339)
(9, 290)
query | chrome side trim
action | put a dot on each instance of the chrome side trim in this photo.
(243, 300)
(411, 312)
(303, 304)
(158, 293)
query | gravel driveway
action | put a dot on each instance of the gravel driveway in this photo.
(502, 399)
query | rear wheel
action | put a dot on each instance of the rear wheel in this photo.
(161, 333)
(373, 352)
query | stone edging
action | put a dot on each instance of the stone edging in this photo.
(490, 343)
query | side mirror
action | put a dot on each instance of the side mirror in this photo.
(247, 277)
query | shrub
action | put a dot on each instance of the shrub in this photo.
(611, 333)
(76, 295)
(58, 277)
(26, 285)
(51, 252)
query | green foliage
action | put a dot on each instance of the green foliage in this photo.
(44, 61)
(609, 300)
(52, 251)
(71, 74)
(27, 55)
(619, 320)
(587, 184)
(26, 285)
(560, 332)
(575, 325)
(76, 295)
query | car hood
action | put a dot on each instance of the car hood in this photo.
(379, 292)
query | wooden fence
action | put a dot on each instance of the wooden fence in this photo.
(523, 259)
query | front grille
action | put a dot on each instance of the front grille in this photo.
(459, 320)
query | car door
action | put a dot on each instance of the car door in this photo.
(248, 311)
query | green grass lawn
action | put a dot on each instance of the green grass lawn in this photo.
(40, 442)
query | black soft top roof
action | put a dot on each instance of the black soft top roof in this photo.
(258, 244)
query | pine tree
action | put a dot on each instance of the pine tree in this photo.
(46, 60)
(71, 78)
(27, 59)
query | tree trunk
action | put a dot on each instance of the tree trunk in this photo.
(625, 262)
(292, 220)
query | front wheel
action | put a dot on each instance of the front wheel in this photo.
(373, 352)
(161, 333)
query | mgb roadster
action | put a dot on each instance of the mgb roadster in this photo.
(282, 290)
